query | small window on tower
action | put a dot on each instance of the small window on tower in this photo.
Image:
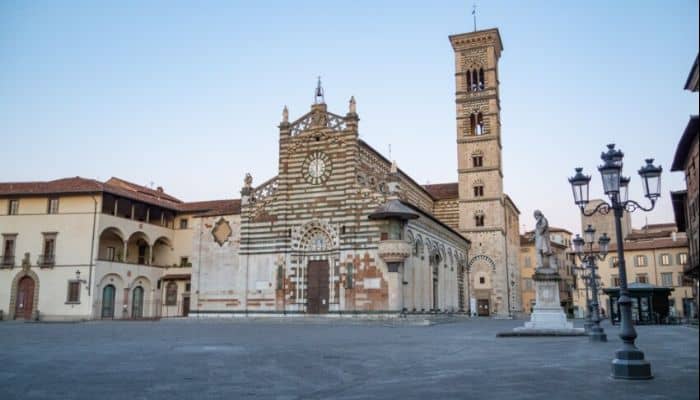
(480, 124)
(479, 191)
(475, 80)
(478, 161)
(481, 79)
(472, 124)
(479, 220)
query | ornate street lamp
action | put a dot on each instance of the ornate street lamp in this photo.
(588, 259)
(629, 362)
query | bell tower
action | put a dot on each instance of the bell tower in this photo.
(485, 212)
(478, 127)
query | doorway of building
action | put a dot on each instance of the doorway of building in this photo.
(137, 303)
(435, 288)
(108, 301)
(317, 287)
(482, 306)
(185, 306)
(24, 303)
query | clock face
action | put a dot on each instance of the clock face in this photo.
(316, 168)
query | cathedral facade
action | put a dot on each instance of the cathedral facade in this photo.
(340, 229)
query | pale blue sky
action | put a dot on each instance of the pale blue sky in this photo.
(187, 95)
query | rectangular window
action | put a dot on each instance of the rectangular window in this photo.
(642, 278)
(641, 261)
(73, 292)
(188, 287)
(682, 258)
(8, 253)
(479, 220)
(47, 258)
(665, 259)
(482, 280)
(183, 223)
(615, 281)
(613, 262)
(185, 262)
(478, 191)
(13, 208)
(680, 279)
(53, 205)
(667, 279)
(478, 161)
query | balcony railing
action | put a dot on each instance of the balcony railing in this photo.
(118, 261)
(8, 261)
(47, 260)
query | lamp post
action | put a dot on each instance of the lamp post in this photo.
(588, 258)
(629, 362)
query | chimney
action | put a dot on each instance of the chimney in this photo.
(160, 189)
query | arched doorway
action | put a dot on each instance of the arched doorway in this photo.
(137, 302)
(108, 294)
(24, 303)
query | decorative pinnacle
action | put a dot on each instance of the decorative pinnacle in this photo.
(353, 105)
(394, 168)
(319, 97)
(285, 115)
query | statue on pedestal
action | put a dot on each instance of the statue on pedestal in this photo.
(543, 247)
(548, 317)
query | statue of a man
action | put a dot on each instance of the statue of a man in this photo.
(543, 247)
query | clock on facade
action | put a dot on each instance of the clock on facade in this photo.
(316, 168)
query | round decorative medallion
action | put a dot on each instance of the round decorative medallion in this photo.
(316, 168)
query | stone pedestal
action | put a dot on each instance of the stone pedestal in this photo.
(548, 318)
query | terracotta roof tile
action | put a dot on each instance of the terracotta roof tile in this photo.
(64, 185)
(121, 188)
(213, 207)
(126, 185)
(443, 191)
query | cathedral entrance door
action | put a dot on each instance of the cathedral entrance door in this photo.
(482, 306)
(317, 289)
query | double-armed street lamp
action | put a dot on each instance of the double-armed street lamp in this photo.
(588, 258)
(629, 362)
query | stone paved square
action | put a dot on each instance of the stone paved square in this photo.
(326, 358)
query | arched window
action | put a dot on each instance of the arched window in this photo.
(469, 82)
(481, 79)
(171, 294)
(472, 124)
(479, 124)
(418, 247)
(475, 79)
